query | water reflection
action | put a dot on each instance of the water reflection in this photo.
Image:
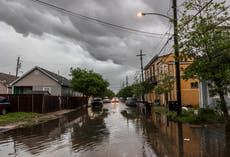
(115, 130)
(174, 139)
(92, 131)
(37, 139)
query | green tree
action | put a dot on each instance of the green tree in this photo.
(88, 82)
(136, 89)
(109, 93)
(126, 92)
(164, 86)
(141, 88)
(205, 37)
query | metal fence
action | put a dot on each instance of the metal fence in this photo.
(41, 103)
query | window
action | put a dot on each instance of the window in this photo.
(194, 85)
(47, 89)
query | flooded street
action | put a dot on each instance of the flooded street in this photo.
(114, 131)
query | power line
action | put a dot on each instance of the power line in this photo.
(166, 33)
(166, 43)
(217, 24)
(197, 13)
(74, 14)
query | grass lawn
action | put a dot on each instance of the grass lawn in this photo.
(16, 117)
(205, 116)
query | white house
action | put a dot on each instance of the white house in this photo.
(206, 100)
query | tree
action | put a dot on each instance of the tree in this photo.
(136, 89)
(205, 37)
(141, 88)
(88, 82)
(126, 92)
(109, 93)
(164, 86)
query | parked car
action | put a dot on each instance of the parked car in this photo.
(115, 100)
(4, 105)
(106, 100)
(97, 102)
(121, 99)
(130, 101)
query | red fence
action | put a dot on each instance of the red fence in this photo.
(43, 103)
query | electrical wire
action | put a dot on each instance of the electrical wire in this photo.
(166, 43)
(206, 5)
(74, 14)
(166, 33)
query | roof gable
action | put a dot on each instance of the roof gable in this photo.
(6, 79)
(57, 78)
(60, 79)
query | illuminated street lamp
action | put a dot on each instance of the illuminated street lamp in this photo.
(140, 14)
(176, 49)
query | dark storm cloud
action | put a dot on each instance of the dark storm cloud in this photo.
(101, 42)
(27, 17)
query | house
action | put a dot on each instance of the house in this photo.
(39, 79)
(160, 66)
(210, 101)
(5, 80)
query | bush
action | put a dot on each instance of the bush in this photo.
(207, 111)
(204, 116)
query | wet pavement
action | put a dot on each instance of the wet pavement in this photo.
(114, 131)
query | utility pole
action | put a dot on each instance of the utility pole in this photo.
(176, 49)
(141, 59)
(177, 60)
(18, 66)
(127, 81)
(142, 74)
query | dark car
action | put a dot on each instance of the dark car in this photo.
(4, 105)
(130, 101)
(97, 102)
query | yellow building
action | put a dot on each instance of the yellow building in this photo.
(161, 66)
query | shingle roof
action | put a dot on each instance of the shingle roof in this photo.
(60, 79)
(6, 79)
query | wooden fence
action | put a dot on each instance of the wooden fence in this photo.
(41, 103)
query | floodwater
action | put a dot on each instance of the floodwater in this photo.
(114, 131)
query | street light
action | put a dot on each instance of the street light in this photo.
(140, 14)
(176, 49)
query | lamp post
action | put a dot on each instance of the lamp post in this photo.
(176, 49)
(144, 14)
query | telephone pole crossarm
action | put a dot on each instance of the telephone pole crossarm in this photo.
(141, 59)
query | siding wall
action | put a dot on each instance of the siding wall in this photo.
(38, 80)
(66, 91)
(54, 90)
(3, 89)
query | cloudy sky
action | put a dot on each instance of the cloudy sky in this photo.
(54, 40)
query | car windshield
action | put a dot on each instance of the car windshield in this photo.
(97, 99)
